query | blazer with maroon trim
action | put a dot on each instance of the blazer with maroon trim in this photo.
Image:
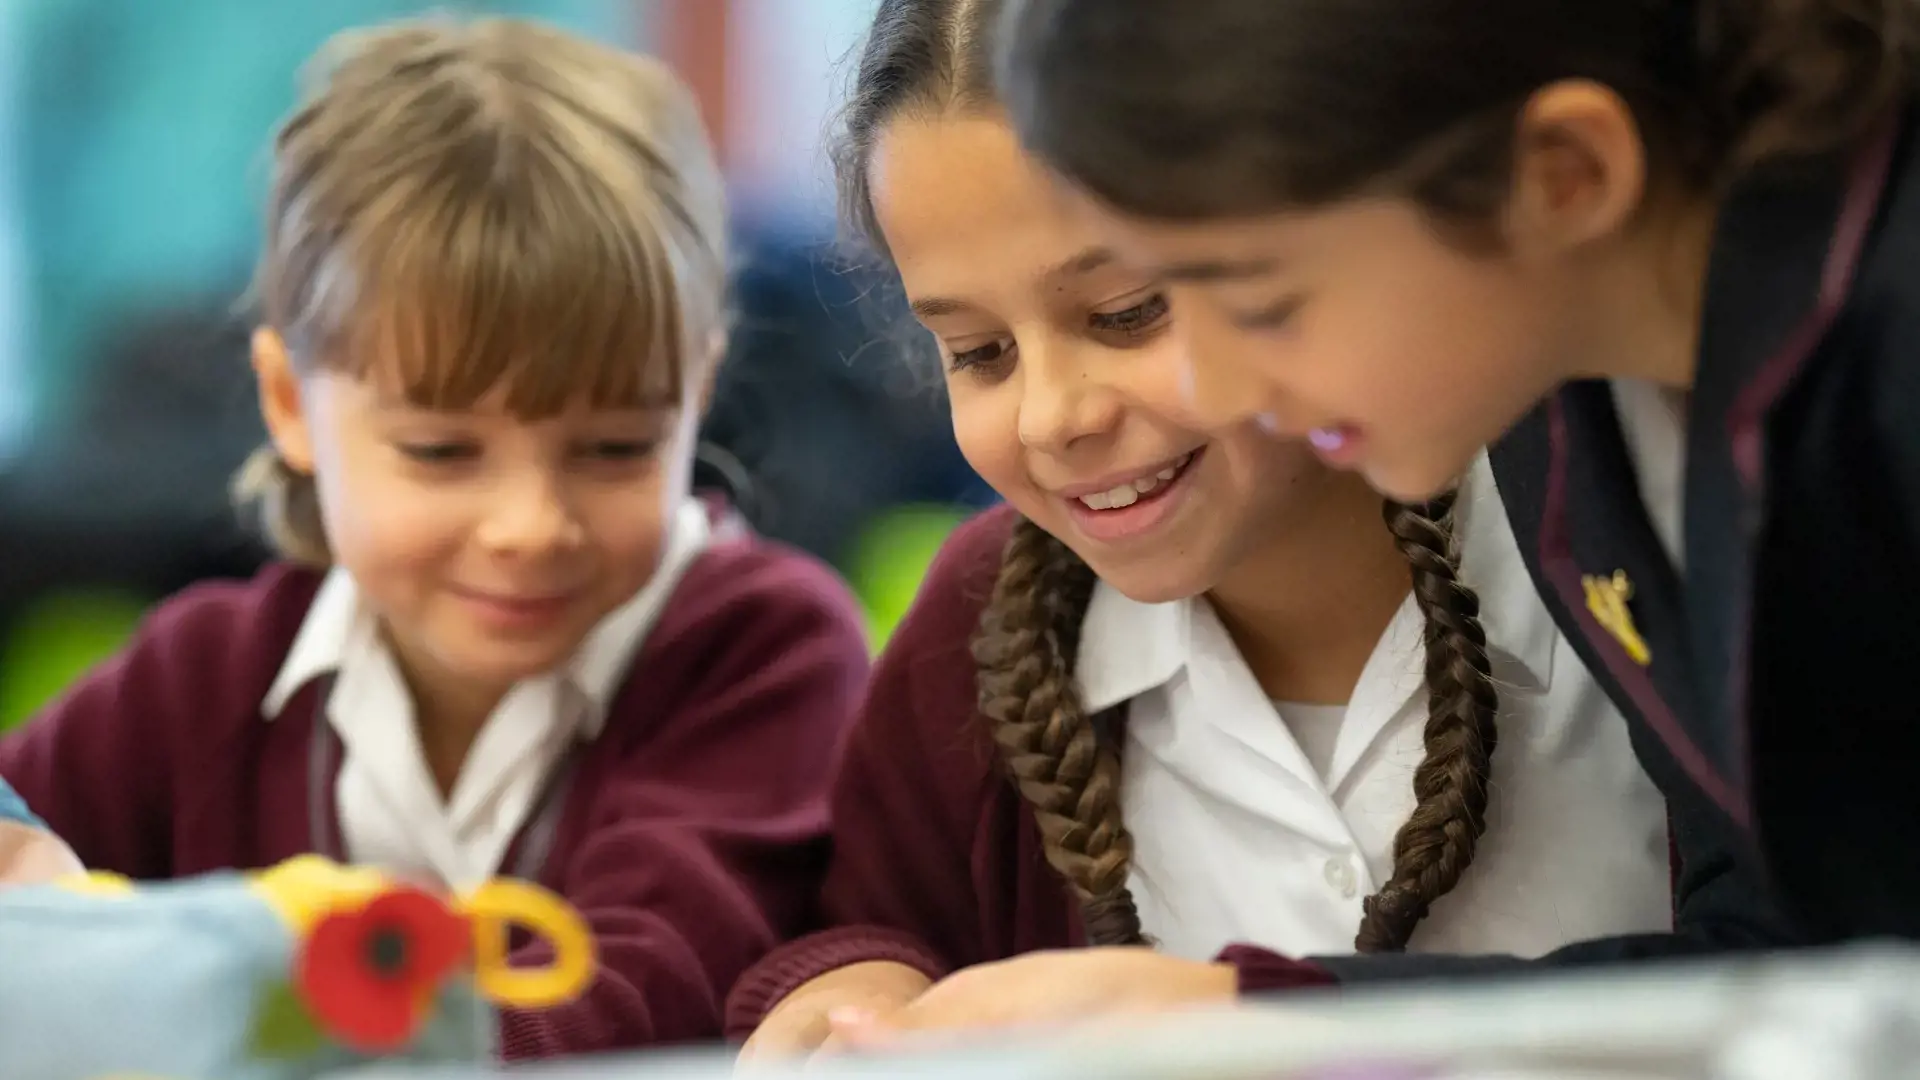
(1774, 708)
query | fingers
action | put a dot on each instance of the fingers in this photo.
(29, 856)
(856, 1029)
(785, 1035)
(913, 1028)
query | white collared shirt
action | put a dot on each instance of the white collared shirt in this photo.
(1239, 838)
(390, 809)
(1653, 422)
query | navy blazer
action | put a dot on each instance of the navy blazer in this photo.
(1767, 684)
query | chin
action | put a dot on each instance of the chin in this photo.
(1412, 486)
(1154, 585)
(502, 664)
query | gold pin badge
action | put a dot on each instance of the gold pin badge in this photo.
(1607, 599)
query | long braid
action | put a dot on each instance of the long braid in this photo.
(1434, 847)
(1025, 650)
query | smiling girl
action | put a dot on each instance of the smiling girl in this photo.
(506, 639)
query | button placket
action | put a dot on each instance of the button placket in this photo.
(1340, 876)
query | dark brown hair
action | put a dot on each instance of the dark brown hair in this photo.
(932, 54)
(1220, 108)
(486, 203)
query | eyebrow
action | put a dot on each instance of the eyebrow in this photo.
(1086, 262)
(930, 307)
(1212, 271)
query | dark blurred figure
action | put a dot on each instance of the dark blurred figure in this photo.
(827, 403)
(130, 492)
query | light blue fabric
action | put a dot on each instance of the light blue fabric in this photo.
(14, 808)
(164, 983)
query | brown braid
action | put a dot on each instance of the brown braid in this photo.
(1025, 649)
(1434, 847)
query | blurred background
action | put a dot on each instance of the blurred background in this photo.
(132, 168)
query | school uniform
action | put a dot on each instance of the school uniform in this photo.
(670, 782)
(1258, 827)
(1751, 591)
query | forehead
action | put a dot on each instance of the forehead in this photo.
(1199, 252)
(1360, 234)
(381, 390)
(965, 212)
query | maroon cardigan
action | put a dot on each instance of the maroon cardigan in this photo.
(938, 863)
(692, 836)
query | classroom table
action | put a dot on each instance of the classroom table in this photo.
(1851, 1014)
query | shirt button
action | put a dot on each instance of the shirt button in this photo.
(1339, 873)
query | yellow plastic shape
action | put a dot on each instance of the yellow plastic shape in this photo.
(97, 883)
(305, 889)
(501, 904)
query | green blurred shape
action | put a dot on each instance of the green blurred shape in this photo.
(891, 556)
(55, 641)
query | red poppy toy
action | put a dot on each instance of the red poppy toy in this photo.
(370, 974)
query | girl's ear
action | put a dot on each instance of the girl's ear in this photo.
(280, 405)
(1579, 168)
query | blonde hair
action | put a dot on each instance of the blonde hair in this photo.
(482, 204)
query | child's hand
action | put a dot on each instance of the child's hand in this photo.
(800, 1023)
(29, 856)
(1041, 988)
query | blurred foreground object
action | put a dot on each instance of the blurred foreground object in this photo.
(288, 974)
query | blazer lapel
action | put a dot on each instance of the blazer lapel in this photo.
(1602, 558)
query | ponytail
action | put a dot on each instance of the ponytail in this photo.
(288, 505)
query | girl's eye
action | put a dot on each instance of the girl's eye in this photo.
(985, 354)
(620, 449)
(1132, 321)
(1271, 317)
(440, 453)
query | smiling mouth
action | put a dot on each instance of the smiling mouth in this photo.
(1124, 495)
(525, 601)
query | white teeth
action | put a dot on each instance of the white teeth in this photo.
(1122, 496)
(1129, 493)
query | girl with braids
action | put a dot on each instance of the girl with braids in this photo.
(1663, 250)
(1190, 690)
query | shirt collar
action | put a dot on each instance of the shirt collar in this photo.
(1128, 647)
(337, 620)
